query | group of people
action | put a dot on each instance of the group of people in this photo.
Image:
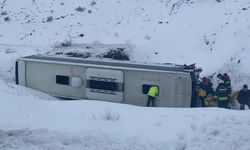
(207, 96)
(223, 93)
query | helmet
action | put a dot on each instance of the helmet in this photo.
(245, 86)
(226, 76)
(219, 75)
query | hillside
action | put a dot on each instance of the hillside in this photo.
(214, 34)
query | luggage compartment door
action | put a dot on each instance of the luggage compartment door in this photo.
(105, 84)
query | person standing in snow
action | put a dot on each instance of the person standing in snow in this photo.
(208, 85)
(223, 89)
(222, 93)
(205, 90)
(202, 95)
(152, 93)
(244, 97)
(226, 79)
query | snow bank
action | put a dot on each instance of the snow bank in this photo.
(32, 123)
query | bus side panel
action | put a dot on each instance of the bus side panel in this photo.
(174, 88)
(183, 91)
(55, 79)
(166, 90)
(133, 81)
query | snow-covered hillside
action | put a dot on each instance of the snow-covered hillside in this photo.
(214, 34)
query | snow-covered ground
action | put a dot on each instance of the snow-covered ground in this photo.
(32, 120)
(214, 35)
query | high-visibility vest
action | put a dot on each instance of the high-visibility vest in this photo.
(202, 92)
(222, 92)
(153, 91)
(223, 98)
(234, 95)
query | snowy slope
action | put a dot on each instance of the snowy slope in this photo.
(213, 34)
(31, 122)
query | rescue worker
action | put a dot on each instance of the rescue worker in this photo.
(220, 76)
(152, 93)
(201, 96)
(222, 94)
(226, 79)
(232, 99)
(205, 91)
(208, 85)
(244, 97)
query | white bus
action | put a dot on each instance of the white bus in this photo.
(108, 80)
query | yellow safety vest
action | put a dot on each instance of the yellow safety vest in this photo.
(153, 91)
(234, 95)
(202, 93)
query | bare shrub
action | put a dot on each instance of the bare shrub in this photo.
(67, 43)
(80, 9)
(89, 11)
(107, 115)
(4, 13)
(110, 116)
(214, 132)
(49, 19)
(93, 3)
(7, 19)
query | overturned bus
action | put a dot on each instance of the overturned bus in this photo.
(108, 80)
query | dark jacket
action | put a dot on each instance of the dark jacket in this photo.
(222, 91)
(209, 88)
(243, 96)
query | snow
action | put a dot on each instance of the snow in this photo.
(36, 121)
(214, 35)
